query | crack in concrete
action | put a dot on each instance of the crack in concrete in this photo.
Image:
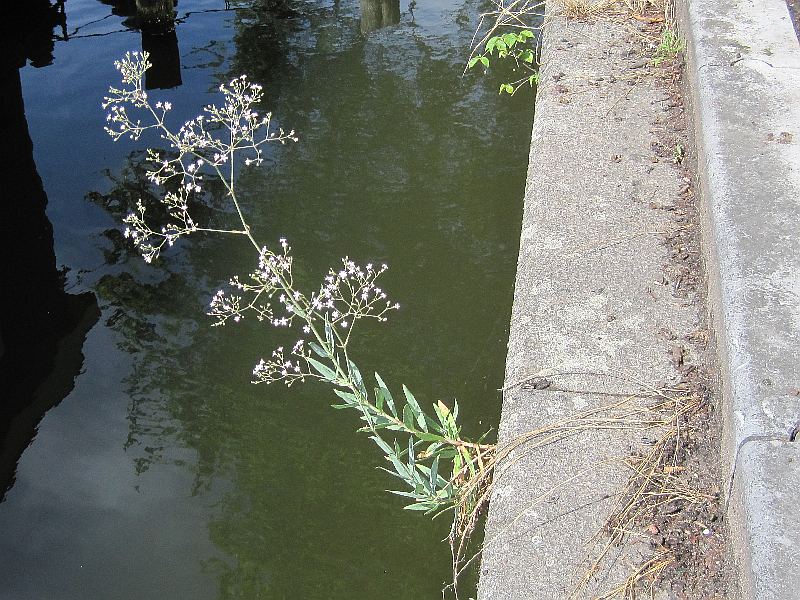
(754, 438)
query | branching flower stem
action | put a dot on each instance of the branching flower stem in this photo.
(206, 147)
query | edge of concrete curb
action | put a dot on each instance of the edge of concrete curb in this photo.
(744, 86)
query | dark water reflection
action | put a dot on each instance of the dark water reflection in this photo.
(164, 473)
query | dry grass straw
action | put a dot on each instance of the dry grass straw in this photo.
(655, 480)
(654, 476)
(646, 575)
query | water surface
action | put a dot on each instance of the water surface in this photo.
(159, 471)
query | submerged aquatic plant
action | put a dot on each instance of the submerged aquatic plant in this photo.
(439, 468)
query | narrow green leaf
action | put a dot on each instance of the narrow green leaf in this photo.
(440, 415)
(423, 425)
(380, 382)
(399, 467)
(434, 474)
(426, 506)
(408, 417)
(433, 425)
(318, 350)
(404, 494)
(326, 372)
(387, 395)
(430, 437)
(355, 374)
(379, 399)
(382, 422)
(349, 398)
(381, 444)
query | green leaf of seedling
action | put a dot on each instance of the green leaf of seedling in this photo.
(326, 372)
(525, 34)
(484, 61)
(509, 39)
(526, 55)
(491, 43)
(473, 61)
(501, 45)
(507, 88)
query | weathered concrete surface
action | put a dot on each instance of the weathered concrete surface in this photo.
(744, 75)
(590, 301)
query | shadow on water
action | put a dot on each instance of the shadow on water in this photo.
(42, 328)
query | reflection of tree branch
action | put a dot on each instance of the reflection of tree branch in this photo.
(201, 12)
(67, 36)
(178, 20)
(92, 35)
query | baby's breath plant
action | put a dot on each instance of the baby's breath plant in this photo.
(438, 468)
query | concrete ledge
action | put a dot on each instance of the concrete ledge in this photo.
(590, 301)
(744, 77)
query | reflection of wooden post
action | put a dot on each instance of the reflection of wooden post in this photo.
(391, 12)
(379, 13)
(156, 19)
(156, 16)
(165, 56)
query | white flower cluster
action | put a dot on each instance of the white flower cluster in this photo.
(350, 293)
(273, 275)
(281, 368)
(199, 148)
(132, 68)
(345, 296)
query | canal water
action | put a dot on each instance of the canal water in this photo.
(139, 462)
